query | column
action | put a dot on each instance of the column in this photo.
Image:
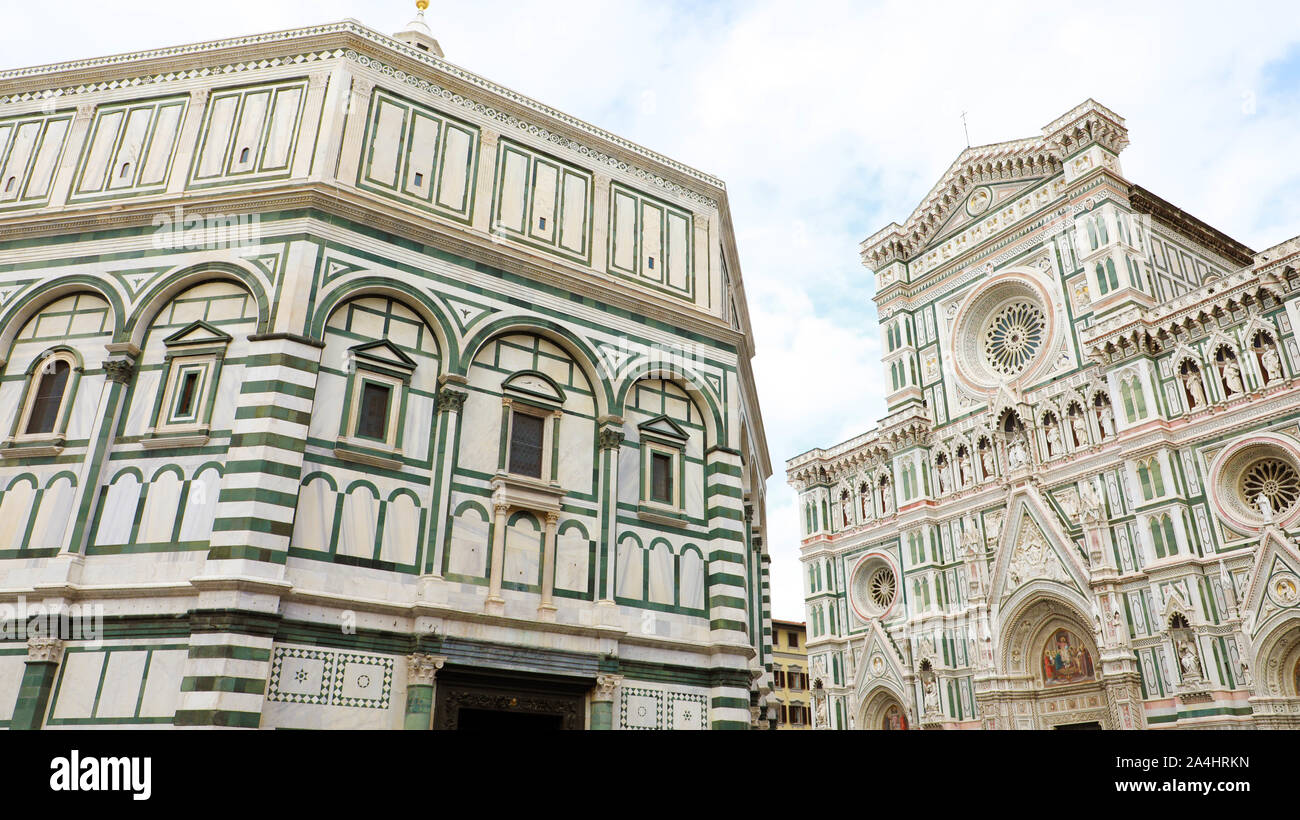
(43, 656)
(62, 181)
(421, 677)
(496, 604)
(237, 614)
(259, 492)
(547, 610)
(451, 403)
(358, 108)
(602, 702)
(487, 172)
(333, 117)
(611, 444)
(119, 370)
(725, 585)
(187, 140)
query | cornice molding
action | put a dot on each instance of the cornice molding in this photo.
(60, 82)
(370, 210)
(1032, 158)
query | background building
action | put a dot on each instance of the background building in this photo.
(1081, 509)
(790, 684)
(359, 391)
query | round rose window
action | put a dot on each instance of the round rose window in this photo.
(874, 587)
(1270, 483)
(1256, 481)
(1002, 333)
(1013, 338)
(882, 588)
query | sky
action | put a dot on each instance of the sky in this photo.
(829, 119)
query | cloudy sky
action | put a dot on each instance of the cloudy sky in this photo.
(828, 119)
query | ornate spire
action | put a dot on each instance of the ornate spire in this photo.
(417, 32)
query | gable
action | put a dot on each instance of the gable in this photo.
(1031, 549)
(197, 333)
(383, 352)
(664, 427)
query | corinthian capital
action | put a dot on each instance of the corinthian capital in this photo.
(44, 650)
(422, 670)
(119, 370)
(451, 401)
(606, 687)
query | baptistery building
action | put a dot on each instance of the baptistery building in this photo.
(347, 388)
(1081, 510)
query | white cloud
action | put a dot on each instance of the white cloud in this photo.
(828, 119)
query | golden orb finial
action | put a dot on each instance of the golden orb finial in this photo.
(422, 4)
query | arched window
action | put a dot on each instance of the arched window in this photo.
(49, 391)
(1162, 536)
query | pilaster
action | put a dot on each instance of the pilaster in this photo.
(43, 658)
(422, 674)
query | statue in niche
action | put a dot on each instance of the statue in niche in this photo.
(1054, 443)
(1232, 378)
(1079, 429)
(945, 476)
(1196, 390)
(986, 461)
(970, 534)
(1107, 421)
(1190, 663)
(994, 527)
(886, 502)
(930, 693)
(1091, 501)
(846, 508)
(1272, 363)
(1017, 457)
(964, 467)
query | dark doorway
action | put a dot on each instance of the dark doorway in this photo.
(1094, 726)
(471, 720)
(505, 701)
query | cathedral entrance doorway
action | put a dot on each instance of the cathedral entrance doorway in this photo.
(1052, 674)
(473, 700)
(1091, 725)
(884, 712)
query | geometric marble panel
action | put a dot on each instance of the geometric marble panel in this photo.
(687, 711)
(301, 675)
(364, 681)
(641, 709)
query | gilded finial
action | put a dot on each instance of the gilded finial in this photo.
(417, 32)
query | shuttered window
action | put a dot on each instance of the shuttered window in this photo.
(49, 399)
(526, 435)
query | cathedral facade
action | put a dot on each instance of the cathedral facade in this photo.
(1082, 507)
(342, 387)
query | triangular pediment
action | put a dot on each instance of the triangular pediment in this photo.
(1275, 579)
(981, 200)
(197, 333)
(664, 426)
(1033, 548)
(877, 661)
(384, 352)
(535, 384)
